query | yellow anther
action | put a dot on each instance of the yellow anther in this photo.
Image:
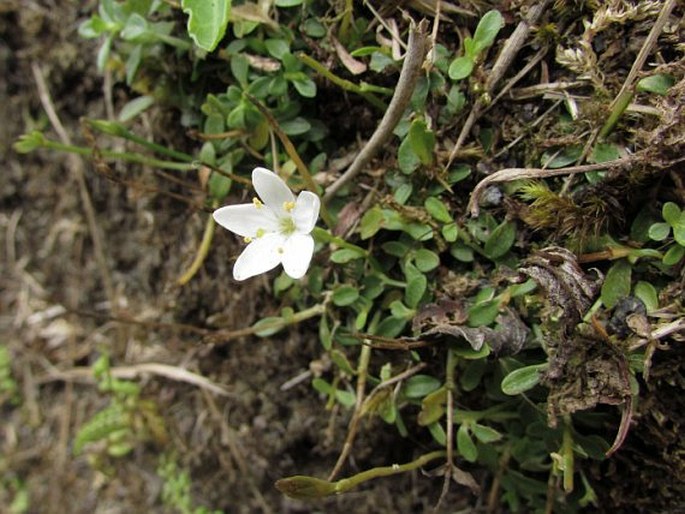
(257, 203)
(260, 232)
(288, 206)
(247, 239)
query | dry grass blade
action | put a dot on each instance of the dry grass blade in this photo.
(85, 374)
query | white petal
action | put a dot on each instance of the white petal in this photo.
(245, 219)
(260, 256)
(271, 189)
(306, 211)
(297, 255)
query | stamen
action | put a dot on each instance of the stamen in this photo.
(288, 206)
(257, 203)
(247, 239)
(260, 232)
(279, 250)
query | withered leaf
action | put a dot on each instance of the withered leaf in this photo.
(448, 318)
(557, 272)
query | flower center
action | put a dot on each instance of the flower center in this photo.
(286, 225)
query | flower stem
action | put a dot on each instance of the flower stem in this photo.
(292, 153)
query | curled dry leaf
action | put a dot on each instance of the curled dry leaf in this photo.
(567, 287)
(447, 318)
(354, 66)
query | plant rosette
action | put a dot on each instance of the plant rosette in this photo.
(277, 227)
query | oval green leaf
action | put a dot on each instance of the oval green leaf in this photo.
(207, 21)
(617, 283)
(522, 379)
(465, 444)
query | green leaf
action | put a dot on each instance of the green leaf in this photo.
(390, 327)
(659, 231)
(340, 360)
(345, 255)
(346, 398)
(268, 326)
(679, 230)
(647, 293)
(522, 379)
(461, 252)
(487, 30)
(407, 159)
(471, 375)
(500, 241)
(617, 283)
(437, 209)
(240, 68)
(277, 47)
(485, 434)
(288, 3)
(345, 295)
(30, 142)
(658, 84)
(556, 158)
(314, 28)
(371, 222)
(604, 152)
(395, 248)
(402, 193)
(416, 287)
(422, 141)
(419, 386)
(438, 433)
(460, 68)
(325, 335)
(674, 255)
(401, 311)
(135, 107)
(432, 407)
(296, 127)
(483, 314)
(639, 230)
(207, 21)
(136, 28)
(426, 260)
(219, 186)
(305, 86)
(450, 232)
(671, 213)
(465, 444)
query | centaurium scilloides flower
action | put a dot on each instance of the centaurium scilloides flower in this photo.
(276, 226)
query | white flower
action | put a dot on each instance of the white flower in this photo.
(277, 228)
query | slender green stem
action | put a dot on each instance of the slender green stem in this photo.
(362, 375)
(124, 156)
(619, 106)
(364, 92)
(346, 484)
(181, 44)
(117, 129)
(324, 236)
(567, 455)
